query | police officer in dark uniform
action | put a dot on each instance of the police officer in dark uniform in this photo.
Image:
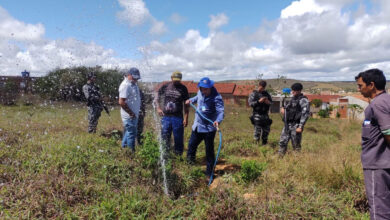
(94, 102)
(260, 100)
(295, 115)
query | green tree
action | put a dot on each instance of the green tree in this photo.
(355, 108)
(316, 102)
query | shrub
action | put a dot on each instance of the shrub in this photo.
(324, 113)
(149, 152)
(316, 102)
(251, 170)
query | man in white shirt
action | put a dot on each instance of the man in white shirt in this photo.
(130, 102)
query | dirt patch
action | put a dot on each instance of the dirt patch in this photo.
(311, 129)
(112, 133)
(361, 205)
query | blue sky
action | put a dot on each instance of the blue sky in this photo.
(303, 39)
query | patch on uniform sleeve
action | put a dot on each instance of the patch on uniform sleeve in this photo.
(366, 122)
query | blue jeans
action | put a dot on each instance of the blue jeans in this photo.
(130, 133)
(193, 144)
(172, 124)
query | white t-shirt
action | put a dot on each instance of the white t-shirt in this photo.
(130, 91)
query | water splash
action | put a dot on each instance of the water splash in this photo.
(161, 148)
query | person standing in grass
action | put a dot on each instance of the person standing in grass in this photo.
(295, 115)
(260, 100)
(376, 142)
(130, 102)
(172, 96)
(94, 102)
(210, 104)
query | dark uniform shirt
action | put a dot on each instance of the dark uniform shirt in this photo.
(173, 98)
(375, 150)
(259, 108)
(92, 94)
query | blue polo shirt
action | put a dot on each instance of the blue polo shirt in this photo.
(375, 150)
(211, 107)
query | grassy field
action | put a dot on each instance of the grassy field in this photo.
(51, 168)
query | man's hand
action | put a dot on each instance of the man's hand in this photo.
(263, 99)
(188, 102)
(216, 124)
(160, 112)
(298, 130)
(282, 111)
(185, 122)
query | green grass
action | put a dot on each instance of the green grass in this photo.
(51, 168)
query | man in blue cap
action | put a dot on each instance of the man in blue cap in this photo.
(130, 102)
(210, 104)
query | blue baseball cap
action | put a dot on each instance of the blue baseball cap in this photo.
(134, 72)
(205, 82)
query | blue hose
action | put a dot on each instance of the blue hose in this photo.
(220, 141)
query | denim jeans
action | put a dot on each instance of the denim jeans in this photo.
(130, 133)
(193, 144)
(172, 124)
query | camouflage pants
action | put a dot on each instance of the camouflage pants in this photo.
(288, 134)
(261, 131)
(94, 113)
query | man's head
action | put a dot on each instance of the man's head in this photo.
(370, 81)
(133, 74)
(262, 85)
(176, 77)
(91, 77)
(205, 84)
(296, 89)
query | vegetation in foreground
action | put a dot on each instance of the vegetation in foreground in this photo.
(51, 168)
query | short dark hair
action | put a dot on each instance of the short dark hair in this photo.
(263, 83)
(373, 75)
(297, 87)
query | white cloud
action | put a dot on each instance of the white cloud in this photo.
(217, 21)
(298, 8)
(135, 13)
(312, 40)
(13, 29)
(177, 18)
(157, 28)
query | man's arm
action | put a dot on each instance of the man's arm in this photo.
(387, 138)
(252, 100)
(305, 106)
(122, 103)
(220, 108)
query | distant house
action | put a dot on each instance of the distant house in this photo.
(226, 90)
(355, 99)
(241, 94)
(12, 86)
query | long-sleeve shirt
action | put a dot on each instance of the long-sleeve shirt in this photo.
(305, 114)
(92, 94)
(212, 107)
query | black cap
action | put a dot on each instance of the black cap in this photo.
(297, 87)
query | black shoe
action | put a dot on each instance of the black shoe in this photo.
(264, 142)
